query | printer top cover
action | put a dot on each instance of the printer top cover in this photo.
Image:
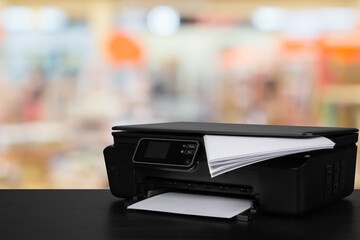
(237, 129)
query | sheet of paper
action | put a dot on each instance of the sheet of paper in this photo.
(194, 204)
(226, 153)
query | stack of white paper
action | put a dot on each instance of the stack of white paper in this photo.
(194, 204)
(226, 153)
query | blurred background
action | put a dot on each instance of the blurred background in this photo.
(71, 69)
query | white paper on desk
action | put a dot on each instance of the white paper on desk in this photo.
(226, 153)
(194, 204)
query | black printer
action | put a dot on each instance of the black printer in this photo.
(152, 158)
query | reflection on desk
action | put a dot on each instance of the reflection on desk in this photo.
(96, 214)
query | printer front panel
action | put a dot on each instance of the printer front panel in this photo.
(150, 176)
(195, 177)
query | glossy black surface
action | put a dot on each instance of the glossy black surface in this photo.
(236, 129)
(96, 214)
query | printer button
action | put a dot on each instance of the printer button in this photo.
(191, 146)
(189, 152)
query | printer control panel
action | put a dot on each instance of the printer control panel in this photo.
(166, 152)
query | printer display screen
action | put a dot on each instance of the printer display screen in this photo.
(157, 149)
(172, 152)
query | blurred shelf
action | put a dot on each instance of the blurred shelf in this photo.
(341, 94)
(33, 132)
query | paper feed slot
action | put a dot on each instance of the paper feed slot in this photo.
(174, 184)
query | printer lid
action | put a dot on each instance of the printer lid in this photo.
(237, 129)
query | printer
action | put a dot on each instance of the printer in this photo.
(148, 159)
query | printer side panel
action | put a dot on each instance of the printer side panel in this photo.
(320, 178)
(120, 171)
(328, 177)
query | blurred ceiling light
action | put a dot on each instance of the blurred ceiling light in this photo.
(131, 19)
(51, 19)
(163, 20)
(305, 22)
(339, 18)
(17, 19)
(26, 19)
(268, 18)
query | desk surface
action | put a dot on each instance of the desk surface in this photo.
(96, 214)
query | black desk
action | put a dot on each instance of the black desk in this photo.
(96, 214)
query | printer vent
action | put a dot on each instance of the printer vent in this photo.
(335, 178)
